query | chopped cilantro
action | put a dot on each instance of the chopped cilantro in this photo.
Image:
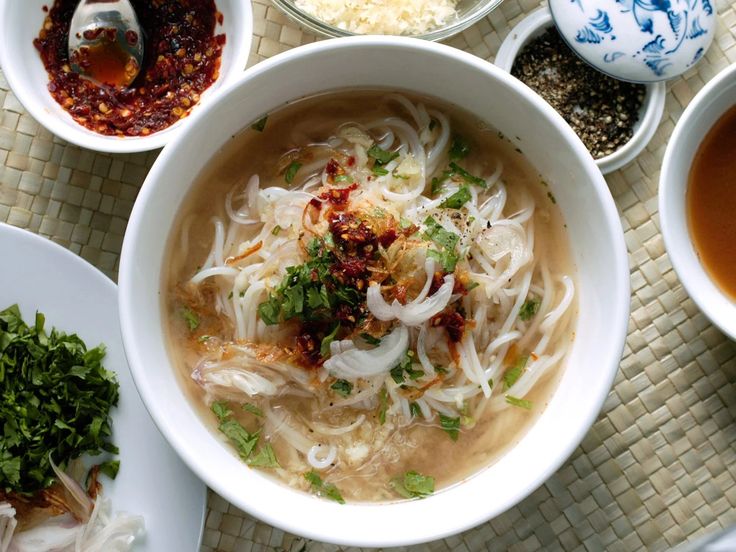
(521, 403)
(451, 426)
(269, 311)
(320, 488)
(381, 156)
(324, 349)
(459, 149)
(436, 233)
(260, 124)
(458, 199)
(291, 171)
(55, 401)
(404, 367)
(383, 405)
(368, 338)
(342, 387)
(512, 375)
(265, 458)
(415, 410)
(244, 441)
(221, 410)
(379, 171)
(529, 309)
(437, 182)
(343, 178)
(309, 291)
(190, 317)
(413, 485)
(466, 176)
(110, 468)
(253, 409)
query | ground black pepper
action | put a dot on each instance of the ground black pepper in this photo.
(600, 109)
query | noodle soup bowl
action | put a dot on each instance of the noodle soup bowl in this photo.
(597, 249)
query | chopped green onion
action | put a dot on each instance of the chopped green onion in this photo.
(451, 426)
(260, 124)
(291, 171)
(521, 403)
(324, 349)
(458, 199)
(512, 375)
(342, 387)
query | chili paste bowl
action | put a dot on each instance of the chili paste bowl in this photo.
(597, 250)
(650, 113)
(20, 23)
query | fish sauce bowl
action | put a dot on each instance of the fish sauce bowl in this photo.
(597, 250)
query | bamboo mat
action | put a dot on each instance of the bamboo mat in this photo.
(658, 466)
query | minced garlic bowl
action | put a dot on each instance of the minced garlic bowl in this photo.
(427, 19)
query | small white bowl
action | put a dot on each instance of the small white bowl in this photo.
(717, 97)
(651, 110)
(596, 245)
(20, 22)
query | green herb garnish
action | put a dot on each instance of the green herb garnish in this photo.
(458, 199)
(291, 171)
(190, 317)
(383, 405)
(368, 338)
(459, 148)
(405, 367)
(343, 178)
(324, 349)
(521, 403)
(276, 230)
(379, 171)
(414, 410)
(512, 375)
(529, 309)
(110, 468)
(253, 409)
(320, 488)
(448, 256)
(413, 485)
(260, 124)
(342, 387)
(303, 291)
(466, 176)
(381, 156)
(451, 426)
(221, 410)
(55, 402)
(265, 458)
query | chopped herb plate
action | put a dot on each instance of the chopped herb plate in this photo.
(76, 298)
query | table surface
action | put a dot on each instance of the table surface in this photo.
(658, 466)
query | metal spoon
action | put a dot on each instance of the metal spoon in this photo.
(105, 42)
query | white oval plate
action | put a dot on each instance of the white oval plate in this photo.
(75, 297)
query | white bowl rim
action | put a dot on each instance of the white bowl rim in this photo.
(74, 133)
(653, 101)
(371, 537)
(711, 300)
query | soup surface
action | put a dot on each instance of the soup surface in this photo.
(370, 295)
(711, 202)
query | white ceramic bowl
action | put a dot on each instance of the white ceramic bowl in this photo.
(596, 241)
(701, 114)
(651, 110)
(20, 22)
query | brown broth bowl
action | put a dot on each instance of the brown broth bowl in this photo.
(683, 240)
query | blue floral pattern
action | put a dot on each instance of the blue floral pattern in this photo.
(643, 40)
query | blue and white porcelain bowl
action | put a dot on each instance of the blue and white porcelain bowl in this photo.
(637, 40)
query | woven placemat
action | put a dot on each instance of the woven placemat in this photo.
(658, 466)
